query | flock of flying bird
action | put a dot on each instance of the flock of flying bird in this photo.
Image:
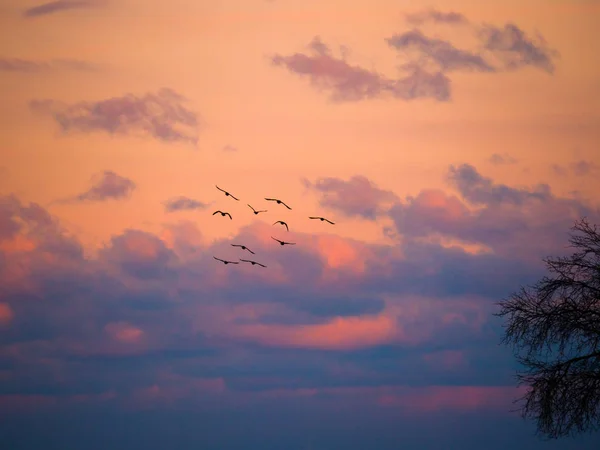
(256, 212)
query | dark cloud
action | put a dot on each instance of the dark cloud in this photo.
(182, 203)
(162, 115)
(146, 324)
(229, 148)
(357, 196)
(498, 159)
(516, 49)
(30, 66)
(435, 16)
(57, 6)
(442, 53)
(108, 185)
(347, 82)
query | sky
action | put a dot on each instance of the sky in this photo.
(452, 145)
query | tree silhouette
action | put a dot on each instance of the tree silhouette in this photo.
(554, 329)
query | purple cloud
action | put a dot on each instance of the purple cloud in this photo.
(440, 52)
(433, 15)
(29, 66)
(498, 159)
(347, 83)
(182, 203)
(582, 168)
(427, 60)
(161, 115)
(516, 49)
(146, 325)
(579, 168)
(478, 189)
(57, 6)
(517, 222)
(229, 148)
(108, 185)
(357, 197)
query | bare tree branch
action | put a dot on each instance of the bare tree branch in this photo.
(554, 330)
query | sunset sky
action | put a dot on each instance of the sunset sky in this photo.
(452, 143)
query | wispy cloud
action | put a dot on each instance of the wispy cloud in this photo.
(515, 49)
(426, 61)
(45, 9)
(161, 115)
(579, 168)
(107, 186)
(440, 52)
(229, 148)
(358, 196)
(29, 66)
(500, 159)
(346, 82)
(436, 16)
(182, 203)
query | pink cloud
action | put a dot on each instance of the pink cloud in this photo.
(436, 398)
(6, 313)
(124, 332)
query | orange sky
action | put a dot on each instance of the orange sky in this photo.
(215, 54)
(438, 181)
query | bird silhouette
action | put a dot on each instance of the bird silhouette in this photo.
(323, 219)
(226, 262)
(279, 202)
(223, 214)
(252, 262)
(282, 223)
(256, 212)
(283, 242)
(243, 247)
(227, 194)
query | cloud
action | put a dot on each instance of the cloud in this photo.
(478, 189)
(123, 332)
(427, 60)
(440, 52)
(30, 66)
(161, 115)
(498, 159)
(516, 222)
(108, 185)
(433, 15)
(57, 6)
(516, 49)
(151, 321)
(229, 148)
(582, 167)
(139, 254)
(347, 83)
(182, 203)
(579, 168)
(6, 313)
(356, 197)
